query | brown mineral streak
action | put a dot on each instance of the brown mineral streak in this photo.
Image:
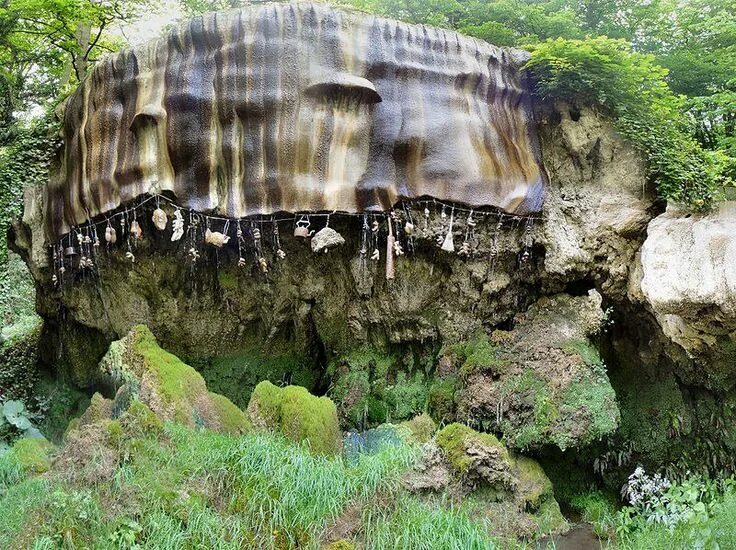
(217, 114)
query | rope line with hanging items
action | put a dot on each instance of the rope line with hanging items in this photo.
(79, 249)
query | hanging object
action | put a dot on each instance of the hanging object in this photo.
(302, 228)
(130, 256)
(135, 230)
(390, 241)
(263, 265)
(376, 255)
(178, 226)
(111, 236)
(409, 228)
(215, 238)
(280, 254)
(526, 253)
(69, 252)
(448, 244)
(159, 219)
(469, 231)
(193, 255)
(326, 238)
(241, 245)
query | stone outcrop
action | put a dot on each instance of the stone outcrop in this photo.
(599, 204)
(542, 383)
(511, 490)
(687, 278)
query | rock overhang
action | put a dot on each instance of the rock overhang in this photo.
(299, 107)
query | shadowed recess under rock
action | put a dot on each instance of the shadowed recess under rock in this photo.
(299, 107)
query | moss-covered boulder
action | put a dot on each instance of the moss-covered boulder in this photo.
(477, 457)
(421, 428)
(173, 390)
(298, 414)
(494, 481)
(542, 383)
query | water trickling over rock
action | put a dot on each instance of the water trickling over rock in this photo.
(299, 107)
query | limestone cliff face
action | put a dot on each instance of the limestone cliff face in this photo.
(312, 307)
(687, 278)
(299, 108)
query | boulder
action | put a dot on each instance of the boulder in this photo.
(687, 278)
(492, 481)
(142, 371)
(298, 414)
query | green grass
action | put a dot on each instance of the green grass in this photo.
(190, 488)
(416, 525)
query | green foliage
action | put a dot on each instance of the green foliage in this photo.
(477, 352)
(631, 87)
(31, 455)
(16, 422)
(19, 363)
(597, 508)
(235, 375)
(696, 513)
(442, 402)
(196, 488)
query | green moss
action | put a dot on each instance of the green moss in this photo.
(534, 486)
(594, 395)
(231, 418)
(265, 405)
(81, 351)
(19, 363)
(475, 353)
(300, 415)
(139, 419)
(305, 417)
(531, 389)
(177, 381)
(227, 280)
(341, 544)
(549, 518)
(406, 397)
(455, 439)
(421, 427)
(441, 400)
(32, 455)
(62, 402)
(588, 353)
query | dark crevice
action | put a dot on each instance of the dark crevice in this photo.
(580, 287)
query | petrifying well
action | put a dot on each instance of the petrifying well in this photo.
(299, 108)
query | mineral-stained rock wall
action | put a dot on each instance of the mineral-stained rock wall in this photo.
(299, 107)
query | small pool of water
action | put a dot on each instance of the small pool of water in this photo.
(580, 537)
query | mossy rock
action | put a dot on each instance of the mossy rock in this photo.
(534, 486)
(477, 457)
(32, 455)
(421, 428)
(298, 414)
(173, 390)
